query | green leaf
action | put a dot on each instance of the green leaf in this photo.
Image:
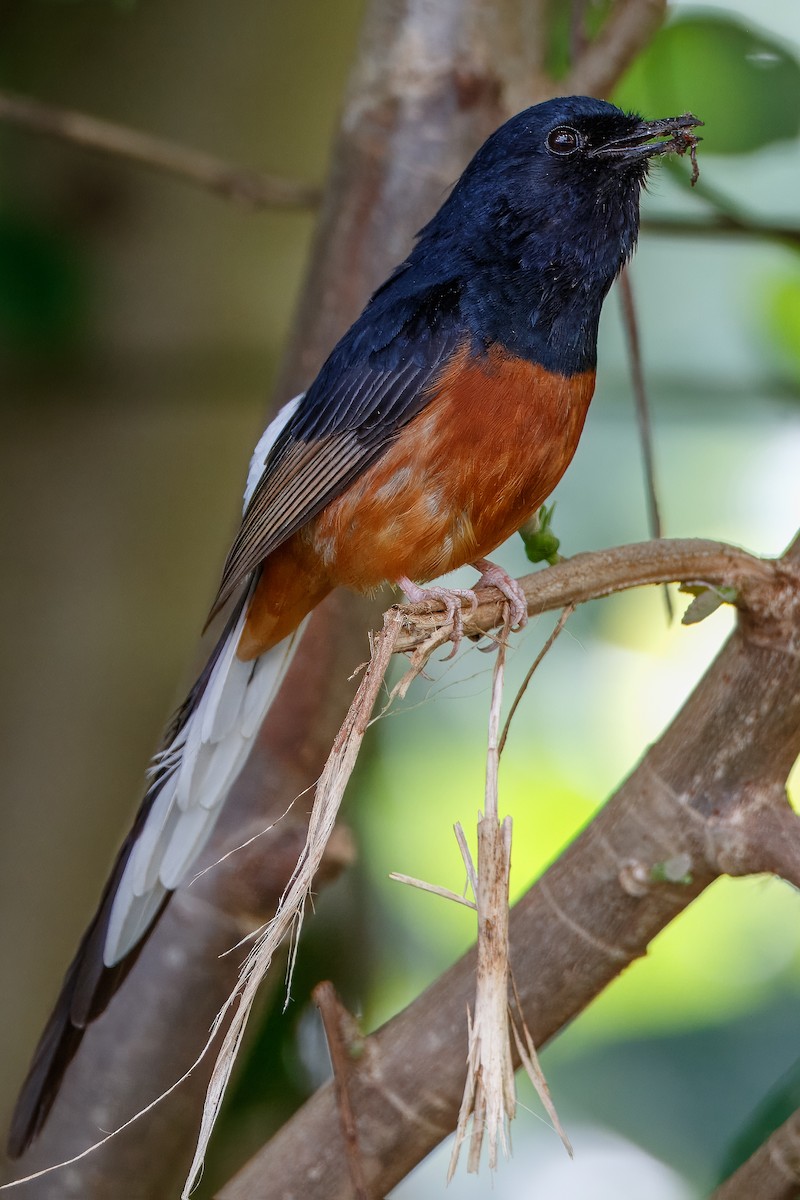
(541, 544)
(743, 83)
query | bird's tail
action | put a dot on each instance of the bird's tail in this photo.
(204, 749)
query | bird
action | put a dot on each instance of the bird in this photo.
(439, 423)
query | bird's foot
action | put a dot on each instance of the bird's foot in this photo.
(494, 576)
(453, 600)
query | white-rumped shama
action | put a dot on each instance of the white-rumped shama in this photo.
(438, 425)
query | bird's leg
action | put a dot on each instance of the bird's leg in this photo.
(494, 576)
(453, 600)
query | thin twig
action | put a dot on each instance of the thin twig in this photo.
(642, 406)
(539, 20)
(529, 1059)
(461, 838)
(730, 214)
(721, 226)
(491, 808)
(433, 888)
(578, 37)
(334, 1016)
(627, 31)
(640, 395)
(562, 620)
(253, 188)
(288, 918)
(605, 572)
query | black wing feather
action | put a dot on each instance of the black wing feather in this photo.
(353, 411)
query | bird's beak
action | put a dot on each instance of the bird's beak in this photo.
(673, 137)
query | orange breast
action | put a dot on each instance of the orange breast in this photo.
(462, 476)
(484, 453)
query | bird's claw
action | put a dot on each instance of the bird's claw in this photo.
(453, 600)
(494, 576)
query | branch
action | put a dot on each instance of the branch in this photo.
(642, 408)
(234, 183)
(630, 27)
(701, 796)
(344, 1045)
(640, 396)
(772, 1173)
(728, 217)
(604, 572)
(721, 226)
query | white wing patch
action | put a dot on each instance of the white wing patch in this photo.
(201, 763)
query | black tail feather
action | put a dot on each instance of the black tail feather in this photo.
(89, 984)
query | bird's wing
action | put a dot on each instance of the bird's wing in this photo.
(346, 419)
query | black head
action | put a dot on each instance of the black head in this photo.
(574, 140)
(544, 217)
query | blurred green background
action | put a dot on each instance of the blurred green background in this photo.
(140, 325)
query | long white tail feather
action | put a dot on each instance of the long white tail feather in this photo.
(228, 714)
(201, 765)
(137, 917)
(143, 867)
(194, 773)
(216, 763)
(269, 674)
(184, 844)
(222, 703)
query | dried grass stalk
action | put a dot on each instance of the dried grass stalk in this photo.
(289, 916)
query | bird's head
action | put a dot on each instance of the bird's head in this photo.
(546, 214)
(570, 168)
(576, 141)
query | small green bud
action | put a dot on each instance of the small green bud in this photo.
(541, 543)
(672, 870)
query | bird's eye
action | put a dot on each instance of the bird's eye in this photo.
(564, 140)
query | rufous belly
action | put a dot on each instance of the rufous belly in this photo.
(461, 477)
